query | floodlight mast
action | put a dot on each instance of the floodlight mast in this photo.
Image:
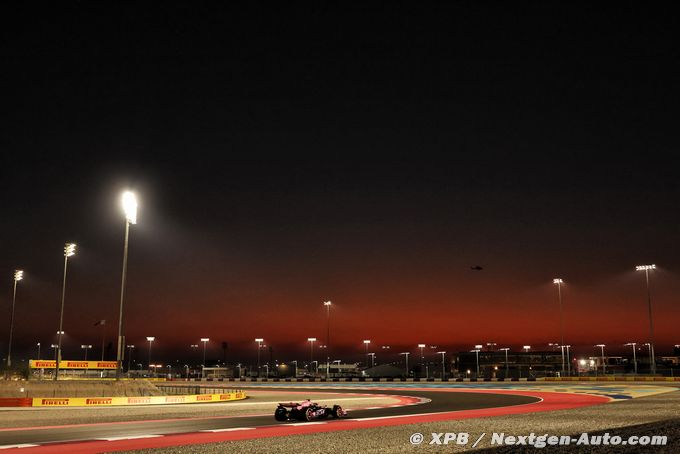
(69, 251)
(130, 209)
(646, 269)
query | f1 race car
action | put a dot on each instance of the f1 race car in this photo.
(307, 411)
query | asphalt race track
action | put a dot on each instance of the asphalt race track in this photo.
(81, 435)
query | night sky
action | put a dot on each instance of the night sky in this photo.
(365, 155)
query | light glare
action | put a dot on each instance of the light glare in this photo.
(130, 207)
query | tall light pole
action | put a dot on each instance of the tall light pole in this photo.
(18, 275)
(476, 351)
(506, 361)
(366, 343)
(69, 251)
(130, 348)
(85, 347)
(205, 341)
(311, 341)
(406, 356)
(38, 344)
(372, 355)
(130, 208)
(150, 339)
(559, 282)
(259, 341)
(443, 364)
(646, 269)
(328, 304)
(604, 365)
(649, 353)
(422, 357)
(634, 345)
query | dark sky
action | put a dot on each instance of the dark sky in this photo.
(367, 155)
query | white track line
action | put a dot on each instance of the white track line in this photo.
(130, 437)
(231, 429)
(25, 445)
(306, 423)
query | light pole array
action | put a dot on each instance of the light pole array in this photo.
(311, 341)
(130, 208)
(406, 357)
(646, 269)
(559, 282)
(205, 341)
(327, 305)
(130, 348)
(69, 251)
(150, 339)
(259, 341)
(476, 351)
(85, 347)
(443, 364)
(507, 369)
(367, 342)
(18, 275)
(634, 346)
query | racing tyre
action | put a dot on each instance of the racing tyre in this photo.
(281, 414)
(337, 411)
(309, 414)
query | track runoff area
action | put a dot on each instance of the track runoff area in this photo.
(371, 407)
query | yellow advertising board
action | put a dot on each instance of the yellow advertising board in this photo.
(71, 364)
(139, 400)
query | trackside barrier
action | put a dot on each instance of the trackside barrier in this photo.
(350, 380)
(613, 378)
(120, 401)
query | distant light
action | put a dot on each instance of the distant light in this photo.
(645, 267)
(69, 249)
(505, 348)
(326, 303)
(151, 338)
(130, 207)
(441, 353)
(582, 362)
(18, 275)
(38, 344)
(205, 339)
(558, 281)
(60, 332)
(600, 345)
(311, 339)
(527, 347)
(479, 346)
(259, 339)
(130, 346)
(54, 346)
(86, 346)
(421, 345)
(367, 341)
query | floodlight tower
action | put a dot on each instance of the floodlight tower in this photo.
(559, 282)
(646, 269)
(69, 251)
(18, 275)
(130, 209)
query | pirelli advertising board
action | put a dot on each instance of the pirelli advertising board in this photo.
(141, 400)
(69, 364)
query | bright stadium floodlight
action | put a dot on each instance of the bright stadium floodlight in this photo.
(479, 346)
(652, 358)
(645, 267)
(559, 282)
(18, 275)
(69, 251)
(205, 341)
(130, 207)
(327, 305)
